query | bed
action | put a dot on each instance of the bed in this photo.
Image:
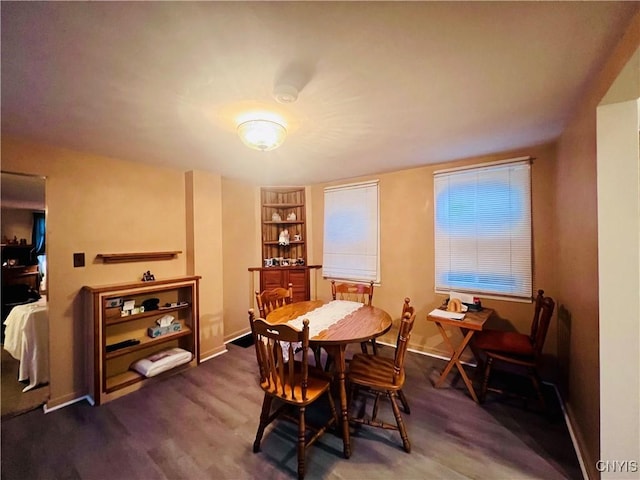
(27, 340)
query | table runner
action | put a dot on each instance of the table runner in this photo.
(323, 317)
(320, 319)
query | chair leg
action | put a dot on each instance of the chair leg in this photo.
(374, 346)
(301, 441)
(363, 347)
(536, 386)
(329, 365)
(485, 380)
(405, 404)
(374, 411)
(317, 355)
(334, 411)
(264, 420)
(354, 393)
(401, 427)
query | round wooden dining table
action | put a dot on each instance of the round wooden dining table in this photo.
(363, 324)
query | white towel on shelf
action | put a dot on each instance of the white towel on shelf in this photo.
(161, 361)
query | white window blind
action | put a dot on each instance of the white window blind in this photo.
(483, 230)
(351, 232)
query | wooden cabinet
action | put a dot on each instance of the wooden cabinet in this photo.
(274, 277)
(111, 373)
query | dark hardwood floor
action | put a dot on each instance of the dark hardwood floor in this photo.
(201, 423)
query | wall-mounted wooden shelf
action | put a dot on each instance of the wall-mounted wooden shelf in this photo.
(137, 256)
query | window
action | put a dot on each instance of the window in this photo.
(483, 229)
(351, 232)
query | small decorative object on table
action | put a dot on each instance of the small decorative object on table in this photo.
(148, 276)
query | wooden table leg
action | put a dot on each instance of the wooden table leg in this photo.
(451, 362)
(455, 360)
(341, 367)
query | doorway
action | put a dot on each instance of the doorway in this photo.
(25, 340)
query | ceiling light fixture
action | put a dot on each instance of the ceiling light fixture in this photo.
(263, 135)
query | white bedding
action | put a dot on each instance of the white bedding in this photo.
(27, 340)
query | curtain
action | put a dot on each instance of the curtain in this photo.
(38, 234)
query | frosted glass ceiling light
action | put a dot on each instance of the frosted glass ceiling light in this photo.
(262, 135)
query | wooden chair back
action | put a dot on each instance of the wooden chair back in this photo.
(407, 307)
(541, 320)
(269, 300)
(355, 292)
(402, 342)
(275, 346)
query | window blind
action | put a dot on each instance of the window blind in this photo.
(483, 230)
(351, 232)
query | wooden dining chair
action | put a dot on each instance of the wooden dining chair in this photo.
(269, 300)
(355, 292)
(406, 308)
(518, 353)
(378, 375)
(293, 384)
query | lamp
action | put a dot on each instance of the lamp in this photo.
(262, 135)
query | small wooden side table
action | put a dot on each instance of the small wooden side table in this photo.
(471, 323)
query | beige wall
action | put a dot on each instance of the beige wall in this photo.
(240, 218)
(577, 268)
(98, 205)
(204, 255)
(16, 223)
(407, 248)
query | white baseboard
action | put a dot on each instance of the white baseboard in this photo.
(574, 441)
(428, 354)
(213, 356)
(66, 404)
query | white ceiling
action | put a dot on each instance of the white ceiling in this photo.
(383, 85)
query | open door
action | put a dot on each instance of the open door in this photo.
(25, 330)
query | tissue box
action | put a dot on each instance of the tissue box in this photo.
(157, 330)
